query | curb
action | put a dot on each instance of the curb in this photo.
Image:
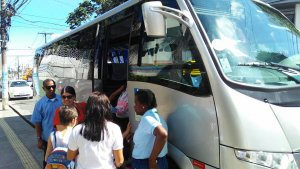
(26, 120)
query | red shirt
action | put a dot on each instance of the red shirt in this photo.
(81, 107)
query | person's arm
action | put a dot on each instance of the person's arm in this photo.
(36, 119)
(161, 136)
(73, 149)
(49, 149)
(119, 159)
(116, 92)
(126, 133)
(71, 154)
(38, 130)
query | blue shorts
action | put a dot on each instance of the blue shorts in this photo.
(162, 163)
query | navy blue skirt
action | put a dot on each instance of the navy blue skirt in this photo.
(162, 163)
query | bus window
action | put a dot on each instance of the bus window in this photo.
(173, 61)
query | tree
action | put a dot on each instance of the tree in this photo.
(89, 9)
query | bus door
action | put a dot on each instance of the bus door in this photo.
(115, 64)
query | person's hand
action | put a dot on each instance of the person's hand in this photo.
(152, 164)
(129, 126)
(127, 132)
(40, 144)
(122, 87)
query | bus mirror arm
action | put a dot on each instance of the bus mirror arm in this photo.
(154, 15)
(182, 16)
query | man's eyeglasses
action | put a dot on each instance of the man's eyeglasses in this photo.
(67, 97)
(49, 87)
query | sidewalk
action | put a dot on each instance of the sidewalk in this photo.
(18, 148)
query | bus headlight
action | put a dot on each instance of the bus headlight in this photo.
(268, 159)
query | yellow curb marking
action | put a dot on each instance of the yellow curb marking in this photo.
(26, 158)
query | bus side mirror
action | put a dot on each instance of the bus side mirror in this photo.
(154, 14)
(154, 21)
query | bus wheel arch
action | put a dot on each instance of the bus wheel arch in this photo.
(171, 163)
(177, 159)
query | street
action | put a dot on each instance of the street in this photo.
(24, 106)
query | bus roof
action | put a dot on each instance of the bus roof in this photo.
(107, 14)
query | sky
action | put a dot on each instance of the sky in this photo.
(33, 18)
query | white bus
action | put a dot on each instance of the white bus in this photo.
(226, 74)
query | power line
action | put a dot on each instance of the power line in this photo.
(20, 49)
(41, 22)
(35, 26)
(42, 17)
(25, 6)
(63, 3)
(21, 55)
(34, 40)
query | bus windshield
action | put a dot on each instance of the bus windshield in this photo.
(254, 44)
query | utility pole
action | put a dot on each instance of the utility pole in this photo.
(7, 11)
(45, 35)
(3, 52)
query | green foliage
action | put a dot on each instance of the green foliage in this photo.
(89, 9)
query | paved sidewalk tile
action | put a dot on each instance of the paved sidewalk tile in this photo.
(27, 135)
(18, 142)
(8, 157)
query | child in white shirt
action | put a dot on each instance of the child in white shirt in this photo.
(60, 138)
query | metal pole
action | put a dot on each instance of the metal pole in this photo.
(3, 51)
(45, 35)
(18, 68)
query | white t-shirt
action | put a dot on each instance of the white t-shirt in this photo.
(61, 141)
(96, 155)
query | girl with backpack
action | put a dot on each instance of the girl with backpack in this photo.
(97, 142)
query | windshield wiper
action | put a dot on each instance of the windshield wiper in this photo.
(284, 66)
(292, 72)
(272, 65)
